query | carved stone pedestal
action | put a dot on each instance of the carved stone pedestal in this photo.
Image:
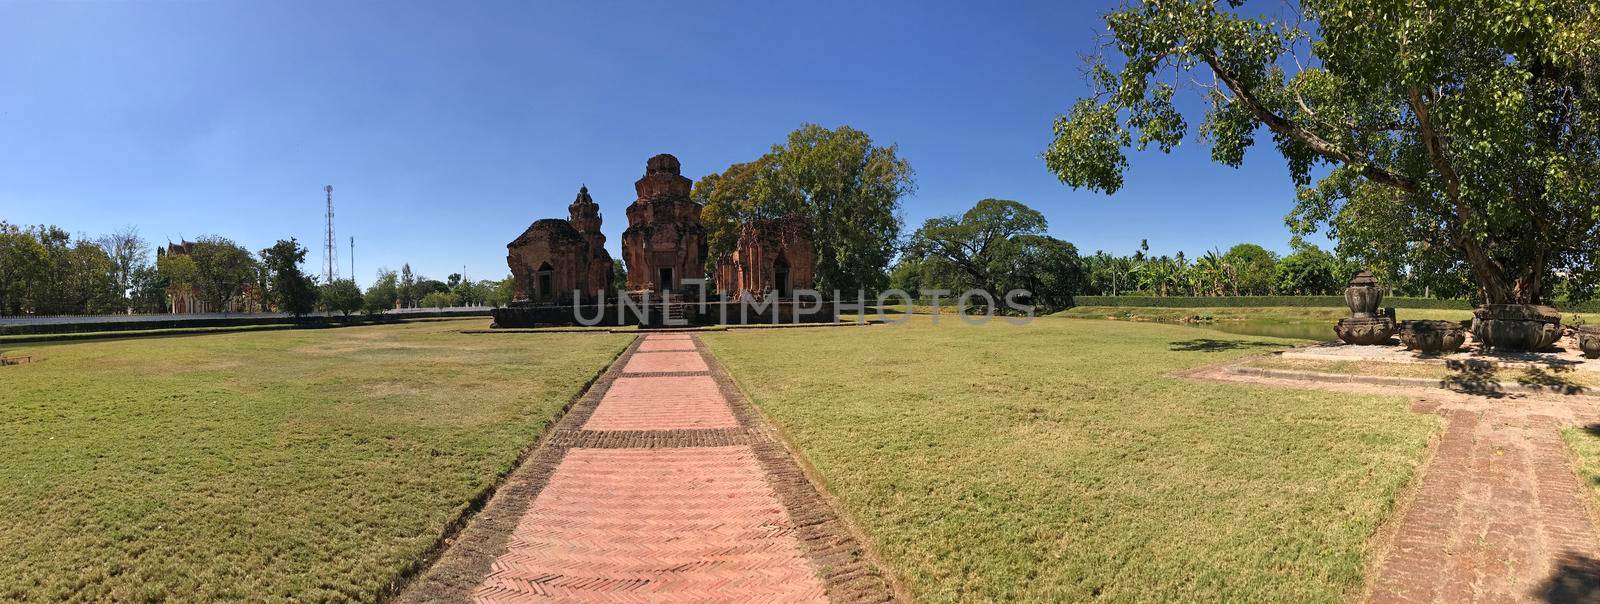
(1432, 336)
(1519, 327)
(1364, 331)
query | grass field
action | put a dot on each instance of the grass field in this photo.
(1059, 462)
(293, 464)
(1584, 441)
(1275, 313)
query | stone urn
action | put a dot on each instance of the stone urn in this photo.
(1516, 327)
(1363, 295)
(1432, 337)
(1588, 337)
(1366, 325)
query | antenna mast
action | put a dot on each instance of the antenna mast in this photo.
(330, 256)
(352, 258)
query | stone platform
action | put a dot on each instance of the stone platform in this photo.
(1564, 355)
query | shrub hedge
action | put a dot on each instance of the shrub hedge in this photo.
(1265, 301)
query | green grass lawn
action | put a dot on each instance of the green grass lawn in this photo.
(1584, 441)
(1059, 462)
(276, 465)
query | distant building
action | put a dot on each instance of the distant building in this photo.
(664, 244)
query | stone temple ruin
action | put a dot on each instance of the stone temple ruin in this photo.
(556, 257)
(665, 242)
(663, 246)
(773, 255)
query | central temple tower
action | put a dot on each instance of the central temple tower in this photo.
(665, 242)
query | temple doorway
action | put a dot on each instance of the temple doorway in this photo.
(665, 278)
(780, 276)
(546, 282)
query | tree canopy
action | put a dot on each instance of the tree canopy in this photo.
(221, 269)
(1435, 134)
(287, 287)
(847, 188)
(341, 296)
(997, 246)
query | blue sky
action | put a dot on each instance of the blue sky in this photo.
(447, 128)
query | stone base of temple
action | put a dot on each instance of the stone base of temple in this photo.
(656, 315)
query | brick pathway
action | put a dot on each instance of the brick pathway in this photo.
(661, 484)
(1499, 513)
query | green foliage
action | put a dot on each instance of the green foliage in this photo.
(58, 275)
(847, 188)
(439, 300)
(1108, 274)
(406, 290)
(1253, 269)
(1049, 268)
(342, 296)
(289, 289)
(147, 291)
(1433, 140)
(1259, 301)
(997, 246)
(23, 264)
(128, 252)
(221, 269)
(383, 294)
(1307, 272)
(500, 292)
(177, 270)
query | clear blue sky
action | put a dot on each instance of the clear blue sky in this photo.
(446, 128)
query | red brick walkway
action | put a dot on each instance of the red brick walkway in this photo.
(1499, 513)
(661, 485)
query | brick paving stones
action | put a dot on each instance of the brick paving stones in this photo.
(661, 484)
(665, 362)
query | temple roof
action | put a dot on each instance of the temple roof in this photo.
(550, 229)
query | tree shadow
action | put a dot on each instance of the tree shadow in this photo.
(1474, 377)
(1576, 579)
(1536, 377)
(1210, 345)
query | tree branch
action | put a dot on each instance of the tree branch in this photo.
(1310, 139)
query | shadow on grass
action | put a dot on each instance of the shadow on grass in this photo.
(1210, 345)
(1576, 579)
(1550, 380)
(1474, 377)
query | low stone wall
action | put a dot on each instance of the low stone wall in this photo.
(159, 322)
(654, 315)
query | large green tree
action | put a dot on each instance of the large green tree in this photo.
(221, 270)
(288, 288)
(1469, 130)
(128, 252)
(1308, 271)
(1252, 268)
(997, 246)
(383, 294)
(846, 187)
(24, 261)
(341, 296)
